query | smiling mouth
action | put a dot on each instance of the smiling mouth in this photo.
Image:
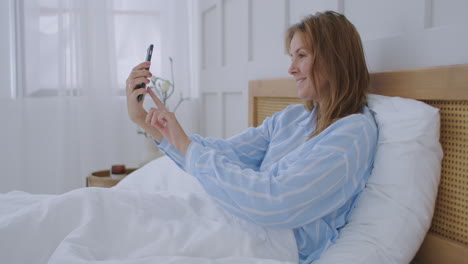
(298, 81)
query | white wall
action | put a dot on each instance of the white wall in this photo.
(242, 40)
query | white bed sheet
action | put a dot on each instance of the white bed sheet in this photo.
(158, 214)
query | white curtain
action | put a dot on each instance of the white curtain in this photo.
(69, 117)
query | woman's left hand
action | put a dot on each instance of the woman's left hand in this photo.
(166, 122)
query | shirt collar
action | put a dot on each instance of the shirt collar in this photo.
(308, 121)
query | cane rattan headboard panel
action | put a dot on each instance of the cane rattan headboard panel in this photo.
(443, 87)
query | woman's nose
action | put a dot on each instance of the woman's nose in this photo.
(292, 68)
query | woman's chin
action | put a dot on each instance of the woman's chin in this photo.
(304, 96)
(300, 93)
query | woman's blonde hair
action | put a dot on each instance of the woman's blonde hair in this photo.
(337, 56)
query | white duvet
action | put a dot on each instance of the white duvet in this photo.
(158, 214)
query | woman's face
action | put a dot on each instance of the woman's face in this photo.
(300, 69)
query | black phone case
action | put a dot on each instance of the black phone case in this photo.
(149, 53)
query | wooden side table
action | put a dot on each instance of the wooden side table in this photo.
(103, 179)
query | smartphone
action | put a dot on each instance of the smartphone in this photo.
(149, 53)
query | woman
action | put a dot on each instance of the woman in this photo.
(304, 167)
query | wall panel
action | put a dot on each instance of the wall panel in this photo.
(449, 12)
(234, 114)
(211, 115)
(380, 19)
(210, 38)
(301, 8)
(267, 28)
(425, 48)
(234, 33)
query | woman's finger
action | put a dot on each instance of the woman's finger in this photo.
(137, 92)
(143, 65)
(139, 73)
(154, 119)
(149, 116)
(163, 117)
(156, 100)
(135, 82)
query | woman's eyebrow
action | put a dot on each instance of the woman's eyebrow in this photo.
(296, 51)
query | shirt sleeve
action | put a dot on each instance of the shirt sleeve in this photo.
(246, 150)
(308, 183)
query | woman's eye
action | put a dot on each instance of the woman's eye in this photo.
(301, 55)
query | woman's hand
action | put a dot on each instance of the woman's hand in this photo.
(135, 108)
(166, 123)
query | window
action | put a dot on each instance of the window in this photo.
(56, 41)
(134, 30)
(46, 42)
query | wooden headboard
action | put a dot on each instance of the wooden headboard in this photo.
(443, 87)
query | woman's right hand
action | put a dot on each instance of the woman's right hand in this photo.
(138, 76)
(135, 108)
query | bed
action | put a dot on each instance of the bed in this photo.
(160, 214)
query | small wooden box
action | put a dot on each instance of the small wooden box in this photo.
(103, 179)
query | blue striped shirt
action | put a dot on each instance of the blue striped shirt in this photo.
(273, 175)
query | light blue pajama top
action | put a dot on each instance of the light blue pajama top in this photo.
(274, 176)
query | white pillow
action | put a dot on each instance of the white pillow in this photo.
(395, 209)
(160, 175)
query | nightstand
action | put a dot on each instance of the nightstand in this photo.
(103, 179)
